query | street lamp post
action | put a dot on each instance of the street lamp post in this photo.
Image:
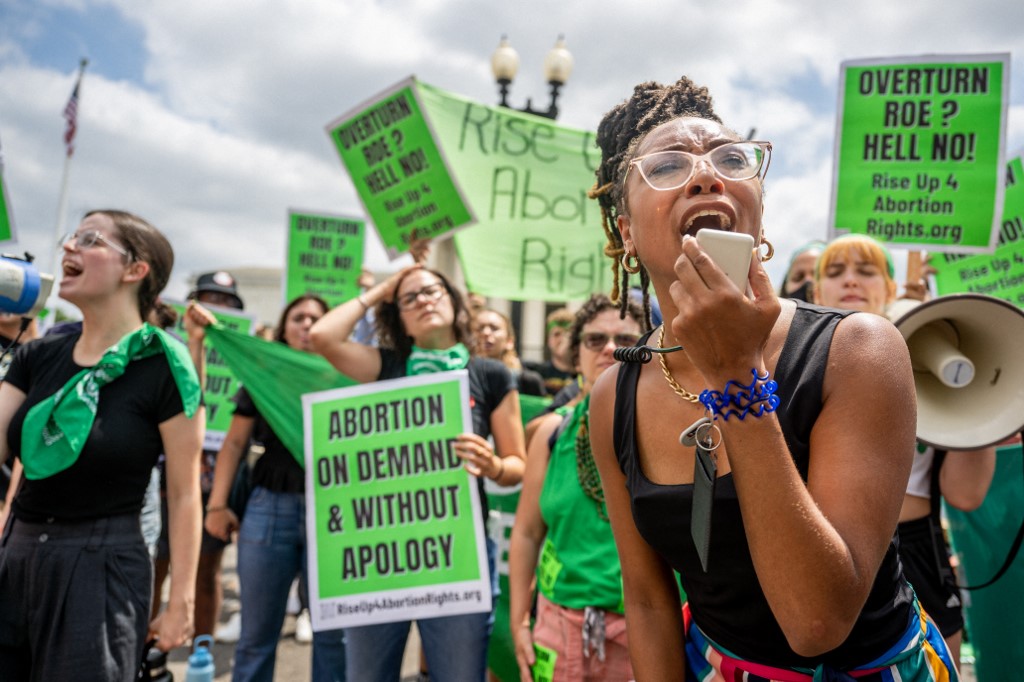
(557, 67)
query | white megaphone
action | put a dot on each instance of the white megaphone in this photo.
(966, 351)
(23, 289)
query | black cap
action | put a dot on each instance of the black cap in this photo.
(219, 282)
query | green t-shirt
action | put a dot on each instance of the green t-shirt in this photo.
(579, 565)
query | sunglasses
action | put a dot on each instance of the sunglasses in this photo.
(599, 340)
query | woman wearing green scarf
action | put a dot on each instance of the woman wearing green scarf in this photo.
(88, 413)
(423, 325)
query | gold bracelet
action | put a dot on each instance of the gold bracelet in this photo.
(501, 470)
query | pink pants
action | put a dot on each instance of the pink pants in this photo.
(561, 629)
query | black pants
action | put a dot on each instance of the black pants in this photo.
(74, 599)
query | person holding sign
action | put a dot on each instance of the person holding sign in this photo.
(424, 327)
(753, 461)
(562, 521)
(88, 413)
(272, 539)
(856, 273)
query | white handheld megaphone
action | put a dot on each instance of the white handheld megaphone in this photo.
(968, 368)
(23, 289)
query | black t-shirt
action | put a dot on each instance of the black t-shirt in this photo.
(489, 383)
(113, 469)
(530, 383)
(554, 379)
(276, 469)
(727, 601)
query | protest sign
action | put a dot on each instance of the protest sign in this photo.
(1001, 273)
(919, 151)
(6, 219)
(399, 172)
(538, 236)
(393, 520)
(325, 255)
(220, 385)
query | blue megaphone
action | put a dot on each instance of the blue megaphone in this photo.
(23, 289)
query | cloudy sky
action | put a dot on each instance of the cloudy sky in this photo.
(208, 118)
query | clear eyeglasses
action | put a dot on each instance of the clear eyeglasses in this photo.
(672, 169)
(429, 294)
(88, 239)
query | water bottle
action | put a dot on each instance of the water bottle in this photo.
(200, 663)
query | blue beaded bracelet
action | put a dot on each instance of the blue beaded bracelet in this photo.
(736, 399)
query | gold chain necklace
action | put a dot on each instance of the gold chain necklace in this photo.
(680, 391)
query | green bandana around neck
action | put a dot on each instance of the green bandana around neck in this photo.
(55, 430)
(428, 360)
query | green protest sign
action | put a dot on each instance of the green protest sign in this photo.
(1001, 273)
(221, 385)
(394, 520)
(325, 255)
(919, 151)
(538, 236)
(6, 219)
(399, 173)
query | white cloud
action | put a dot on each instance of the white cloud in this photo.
(227, 130)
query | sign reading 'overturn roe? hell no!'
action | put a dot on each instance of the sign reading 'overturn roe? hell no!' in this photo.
(394, 520)
(919, 151)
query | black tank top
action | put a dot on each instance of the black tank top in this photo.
(727, 602)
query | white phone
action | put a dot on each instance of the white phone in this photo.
(731, 252)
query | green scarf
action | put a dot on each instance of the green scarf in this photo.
(428, 361)
(56, 428)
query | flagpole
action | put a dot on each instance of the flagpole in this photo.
(71, 115)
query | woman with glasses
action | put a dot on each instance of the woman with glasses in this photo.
(88, 413)
(272, 535)
(423, 327)
(856, 272)
(766, 460)
(561, 534)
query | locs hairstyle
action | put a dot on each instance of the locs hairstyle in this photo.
(618, 135)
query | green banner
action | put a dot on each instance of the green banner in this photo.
(325, 256)
(919, 151)
(221, 385)
(6, 220)
(1000, 274)
(276, 376)
(538, 236)
(394, 520)
(399, 173)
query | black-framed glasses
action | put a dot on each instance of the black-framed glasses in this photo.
(88, 239)
(671, 169)
(598, 340)
(428, 294)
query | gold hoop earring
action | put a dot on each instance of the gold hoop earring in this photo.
(631, 269)
(771, 250)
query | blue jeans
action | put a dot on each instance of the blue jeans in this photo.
(455, 646)
(271, 553)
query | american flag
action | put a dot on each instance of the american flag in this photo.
(71, 116)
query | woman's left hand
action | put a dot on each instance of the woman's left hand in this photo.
(172, 627)
(478, 455)
(723, 331)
